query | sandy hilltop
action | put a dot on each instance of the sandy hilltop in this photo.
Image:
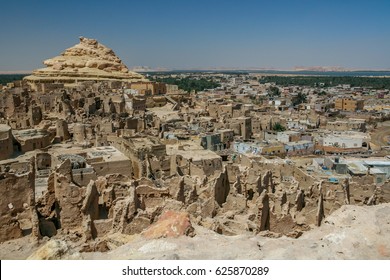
(87, 61)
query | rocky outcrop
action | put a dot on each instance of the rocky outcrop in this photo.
(55, 250)
(88, 60)
(88, 53)
(170, 224)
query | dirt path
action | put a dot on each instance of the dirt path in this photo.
(381, 135)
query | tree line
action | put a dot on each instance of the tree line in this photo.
(189, 84)
(328, 81)
(9, 78)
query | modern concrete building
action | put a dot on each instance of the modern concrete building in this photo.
(349, 104)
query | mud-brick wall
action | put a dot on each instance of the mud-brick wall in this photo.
(104, 168)
(16, 202)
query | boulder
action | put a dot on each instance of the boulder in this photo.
(55, 250)
(170, 224)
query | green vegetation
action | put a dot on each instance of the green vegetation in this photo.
(189, 84)
(321, 93)
(298, 99)
(328, 81)
(278, 127)
(274, 91)
(8, 78)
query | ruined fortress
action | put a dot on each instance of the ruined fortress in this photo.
(87, 61)
(94, 157)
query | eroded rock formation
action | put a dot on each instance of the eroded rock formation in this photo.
(89, 60)
(170, 224)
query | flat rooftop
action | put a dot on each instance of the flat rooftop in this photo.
(301, 142)
(27, 134)
(4, 127)
(106, 153)
(349, 134)
(144, 142)
(191, 151)
(165, 113)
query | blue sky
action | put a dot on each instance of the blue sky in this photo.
(201, 34)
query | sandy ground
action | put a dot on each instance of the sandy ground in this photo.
(381, 135)
(351, 232)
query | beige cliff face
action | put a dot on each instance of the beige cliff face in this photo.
(88, 60)
(88, 53)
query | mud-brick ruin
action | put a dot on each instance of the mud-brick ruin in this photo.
(95, 157)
